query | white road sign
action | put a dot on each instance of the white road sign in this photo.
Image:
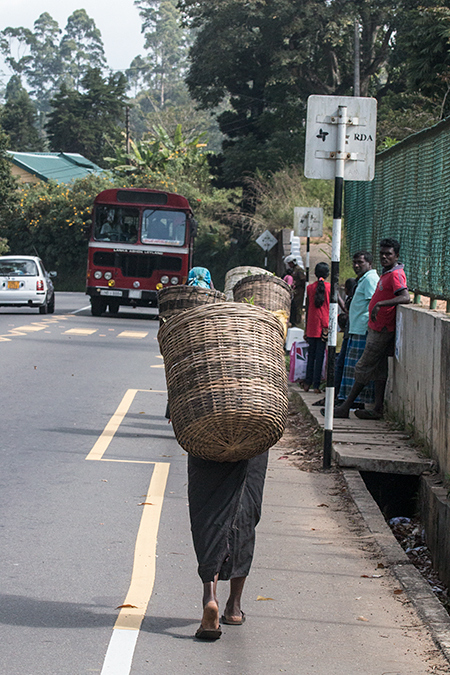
(308, 221)
(322, 137)
(266, 240)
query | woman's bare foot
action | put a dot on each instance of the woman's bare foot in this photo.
(210, 618)
(209, 627)
(233, 615)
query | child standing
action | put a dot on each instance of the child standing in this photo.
(317, 316)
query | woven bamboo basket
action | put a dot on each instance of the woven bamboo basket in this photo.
(266, 291)
(226, 380)
(176, 299)
(233, 276)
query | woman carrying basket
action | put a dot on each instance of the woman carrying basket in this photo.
(224, 507)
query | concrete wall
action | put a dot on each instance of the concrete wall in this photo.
(419, 383)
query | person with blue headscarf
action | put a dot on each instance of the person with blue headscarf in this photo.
(200, 276)
(225, 501)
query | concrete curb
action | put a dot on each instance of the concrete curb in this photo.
(417, 589)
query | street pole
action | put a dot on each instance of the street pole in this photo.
(335, 259)
(357, 78)
(308, 239)
(127, 130)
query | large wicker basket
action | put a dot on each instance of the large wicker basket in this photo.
(266, 291)
(226, 380)
(176, 299)
(233, 276)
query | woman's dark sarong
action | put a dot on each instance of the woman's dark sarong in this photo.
(225, 506)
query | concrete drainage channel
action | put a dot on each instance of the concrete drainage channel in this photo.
(417, 588)
(384, 476)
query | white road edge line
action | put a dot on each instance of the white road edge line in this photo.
(120, 652)
(83, 309)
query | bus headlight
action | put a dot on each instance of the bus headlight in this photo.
(108, 275)
(97, 274)
(165, 279)
(111, 282)
(174, 281)
(159, 286)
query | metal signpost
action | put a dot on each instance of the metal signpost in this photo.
(308, 222)
(340, 144)
(267, 241)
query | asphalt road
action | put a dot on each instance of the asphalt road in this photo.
(70, 526)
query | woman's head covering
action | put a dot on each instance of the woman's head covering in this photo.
(296, 259)
(199, 276)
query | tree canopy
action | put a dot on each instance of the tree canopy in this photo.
(268, 57)
(18, 118)
(88, 122)
(46, 57)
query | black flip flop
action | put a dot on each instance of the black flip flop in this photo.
(208, 633)
(233, 623)
(368, 415)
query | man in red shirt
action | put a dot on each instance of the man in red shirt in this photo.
(391, 291)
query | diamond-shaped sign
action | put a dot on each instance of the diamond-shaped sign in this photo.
(266, 240)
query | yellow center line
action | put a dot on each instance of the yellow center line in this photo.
(144, 566)
(127, 461)
(80, 331)
(133, 334)
(122, 644)
(30, 329)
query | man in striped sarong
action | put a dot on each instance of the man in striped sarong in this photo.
(367, 279)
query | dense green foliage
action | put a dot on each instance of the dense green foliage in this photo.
(18, 118)
(173, 155)
(8, 194)
(268, 57)
(88, 122)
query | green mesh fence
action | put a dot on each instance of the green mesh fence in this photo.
(409, 199)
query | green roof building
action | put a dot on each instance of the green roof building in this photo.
(62, 167)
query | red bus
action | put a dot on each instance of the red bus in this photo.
(141, 241)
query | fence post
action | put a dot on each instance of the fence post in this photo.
(433, 303)
(417, 299)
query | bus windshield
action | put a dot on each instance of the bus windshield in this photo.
(116, 223)
(163, 227)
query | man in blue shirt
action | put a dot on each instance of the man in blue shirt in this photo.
(367, 279)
